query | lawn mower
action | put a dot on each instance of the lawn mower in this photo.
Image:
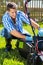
(33, 51)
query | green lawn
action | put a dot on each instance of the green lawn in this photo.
(13, 57)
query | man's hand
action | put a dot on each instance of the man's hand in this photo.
(29, 38)
(40, 33)
(34, 24)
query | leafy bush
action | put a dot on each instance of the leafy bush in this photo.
(12, 62)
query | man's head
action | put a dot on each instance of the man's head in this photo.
(12, 8)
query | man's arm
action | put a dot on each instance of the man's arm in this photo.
(34, 24)
(17, 34)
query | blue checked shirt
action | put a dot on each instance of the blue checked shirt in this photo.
(9, 24)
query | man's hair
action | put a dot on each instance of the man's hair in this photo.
(11, 5)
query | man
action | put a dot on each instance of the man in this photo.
(13, 22)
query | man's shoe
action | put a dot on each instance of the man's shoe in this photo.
(8, 47)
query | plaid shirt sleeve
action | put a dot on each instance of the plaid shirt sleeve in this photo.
(8, 24)
(24, 18)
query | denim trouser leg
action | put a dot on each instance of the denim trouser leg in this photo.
(5, 33)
